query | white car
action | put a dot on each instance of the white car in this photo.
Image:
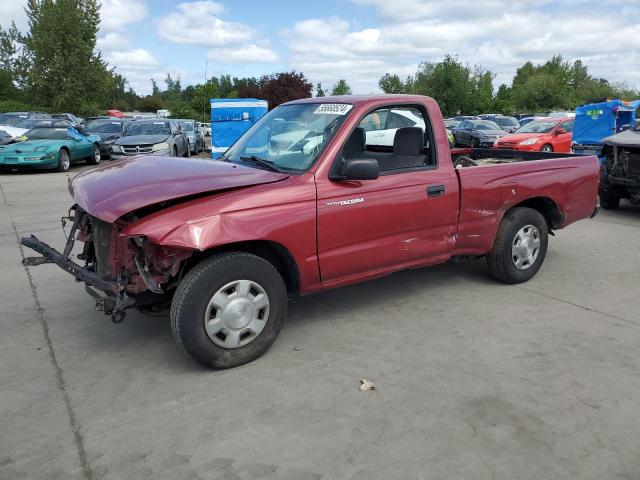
(206, 128)
(381, 126)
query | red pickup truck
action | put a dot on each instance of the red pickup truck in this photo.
(311, 197)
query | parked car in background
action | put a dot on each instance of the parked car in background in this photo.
(5, 137)
(460, 118)
(159, 136)
(477, 133)
(115, 113)
(108, 129)
(51, 148)
(544, 135)
(11, 118)
(190, 129)
(620, 172)
(525, 120)
(506, 123)
(206, 129)
(561, 115)
(23, 126)
(227, 243)
(75, 121)
(450, 123)
(381, 126)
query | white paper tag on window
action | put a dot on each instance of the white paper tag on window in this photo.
(158, 123)
(333, 109)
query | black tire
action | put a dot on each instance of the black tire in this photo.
(608, 200)
(474, 143)
(174, 151)
(191, 301)
(64, 161)
(187, 154)
(546, 148)
(95, 155)
(500, 261)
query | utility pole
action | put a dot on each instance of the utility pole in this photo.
(206, 97)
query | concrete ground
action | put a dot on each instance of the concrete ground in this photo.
(474, 379)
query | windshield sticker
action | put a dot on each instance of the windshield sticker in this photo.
(158, 123)
(333, 109)
(115, 123)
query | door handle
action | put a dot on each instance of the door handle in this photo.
(435, 190)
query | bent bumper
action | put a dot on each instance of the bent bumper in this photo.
(81, 274)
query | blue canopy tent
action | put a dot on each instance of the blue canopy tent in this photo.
(230, 118)
(596, 121)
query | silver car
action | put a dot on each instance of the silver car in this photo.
(194, 134)
(152, 136)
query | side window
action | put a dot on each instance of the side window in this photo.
(403, 143)
(375, 121)
(568, 125)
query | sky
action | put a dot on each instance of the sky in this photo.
(358, 40)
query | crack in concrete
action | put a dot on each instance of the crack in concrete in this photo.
(62, 386)
(589, 309)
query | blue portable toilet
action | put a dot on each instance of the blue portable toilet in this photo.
(230, 118)
(596, 121)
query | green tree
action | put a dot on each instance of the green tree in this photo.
(502, 100)
(63, 67)
(341, 88)
(319, 90)
(391, 84)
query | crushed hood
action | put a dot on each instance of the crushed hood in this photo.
(628, 138)
(120, 187)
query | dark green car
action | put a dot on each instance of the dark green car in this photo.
(50, 148)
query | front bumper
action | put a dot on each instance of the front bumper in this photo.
(160, 153)
(81, 274)
(28, 161)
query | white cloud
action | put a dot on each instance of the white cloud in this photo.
(200, 23)
(112, 42)
(116, 14)
(136, 59)
(248, 53)
(499, 35)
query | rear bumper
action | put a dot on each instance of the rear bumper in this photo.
(81, 274)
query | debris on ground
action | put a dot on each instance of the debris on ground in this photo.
(366, 385)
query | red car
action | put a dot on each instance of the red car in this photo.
(541, 135)
(226, 243)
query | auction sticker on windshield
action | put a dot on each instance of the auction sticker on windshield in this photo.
(333, 109)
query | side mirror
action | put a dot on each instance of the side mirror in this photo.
(360, 169)
(560, 131)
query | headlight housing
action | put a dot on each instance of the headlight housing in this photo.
(529, 141)
(160, 146)
(117, 149)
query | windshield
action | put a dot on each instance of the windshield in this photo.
(506, 121)
(27, 124)
(537, 126)
(102, 126)
(10, 120)
(46, 134)
(290, 136)
(485, 125)
(187, 126)
(148, 128)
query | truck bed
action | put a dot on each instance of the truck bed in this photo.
(492, 181)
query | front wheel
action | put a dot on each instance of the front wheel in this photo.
(474, 143)
(520, 246)
(546, 148)
(64, 162)
(95, 155)
(229, 309)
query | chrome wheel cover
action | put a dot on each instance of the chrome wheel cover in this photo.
(236, 314)
(525, 247)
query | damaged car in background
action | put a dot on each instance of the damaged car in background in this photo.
(620, 172)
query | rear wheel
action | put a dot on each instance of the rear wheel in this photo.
(95, 155)
(608, 200)
(546, 148)
(64, 162)
(229, 309)
(520, 246)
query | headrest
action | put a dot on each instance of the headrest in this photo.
(409, 141)
(354, 147)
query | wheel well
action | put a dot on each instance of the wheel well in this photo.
(273, 252)
(547, 208)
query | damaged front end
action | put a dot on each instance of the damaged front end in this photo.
(118, 271)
